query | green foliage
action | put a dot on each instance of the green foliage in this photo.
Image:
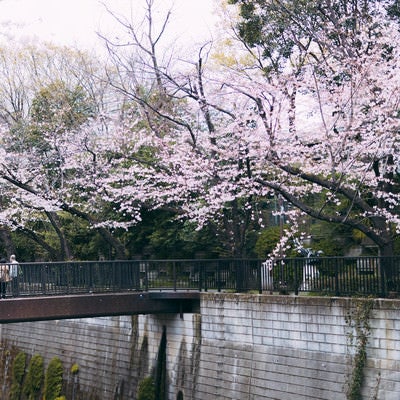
(15, 391)
(332, 239)
(26, 248)
(57, 104)
(270, 26)
(85, 243)
(394, 9)
(18, 373)
(146, 389)
(74, 369)
(273, 27)
(53, 380)
(55, 110)
(397, 246)
(267, 241)
(358, 321)
(161, 236)
(34, 379)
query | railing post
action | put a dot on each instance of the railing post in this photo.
(234, 263)
(43, 278)
(200, 271)
(117, 276)
(239, 276)
(382, 273)
(90, 273)
(205, 277)
(136, 275)
(337, 268)
(281, 277)
(69, 277)
(146, 276)
(218, 277)
(174, 274)
(296, 277)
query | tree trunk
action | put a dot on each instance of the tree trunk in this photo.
(65, 251)
(5, 237)
(387, 268)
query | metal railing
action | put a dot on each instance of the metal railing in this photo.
(58, 278)
(336, 276)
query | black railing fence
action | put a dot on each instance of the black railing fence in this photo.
(337, 276)
(116, 276)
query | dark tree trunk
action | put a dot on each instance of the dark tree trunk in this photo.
(387, 267)
(5, 237)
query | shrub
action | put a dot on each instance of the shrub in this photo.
(18, 373)
(18, 369)
(146, 389)
(54, 379)
(34, 378)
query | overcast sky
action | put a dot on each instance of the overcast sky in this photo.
(75, 22)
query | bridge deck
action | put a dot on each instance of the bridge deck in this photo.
(96, 305)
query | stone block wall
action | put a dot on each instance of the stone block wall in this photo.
(285, 347)
(113, 353)
(240, 346)
(100, 346)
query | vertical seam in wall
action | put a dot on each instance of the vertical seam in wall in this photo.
(252, 353)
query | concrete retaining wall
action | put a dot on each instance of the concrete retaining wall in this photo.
(242, 347)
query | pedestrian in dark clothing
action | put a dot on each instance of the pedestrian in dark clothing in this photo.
(4, 277)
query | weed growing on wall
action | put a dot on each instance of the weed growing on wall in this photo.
(358, 322)
(146, 389)
(73, 384)
(74, 369)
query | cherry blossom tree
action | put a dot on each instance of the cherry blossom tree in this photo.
(305, 109)
(58, 93)
(310, 114)
(172, 120)
(340, 137)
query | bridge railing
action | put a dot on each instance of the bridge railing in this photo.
(338, 276)
(115, 276)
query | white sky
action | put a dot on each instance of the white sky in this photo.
(75, 22)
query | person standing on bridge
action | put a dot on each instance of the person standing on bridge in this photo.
(4, 277)
(14, 275)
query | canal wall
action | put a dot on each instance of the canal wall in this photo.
(240, 346)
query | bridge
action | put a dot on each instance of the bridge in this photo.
(39, 308)
(61, 290)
